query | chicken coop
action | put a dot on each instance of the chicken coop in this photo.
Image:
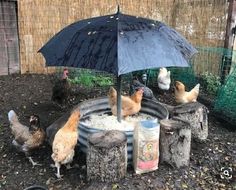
(27, 25)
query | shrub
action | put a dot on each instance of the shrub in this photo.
(91, 79)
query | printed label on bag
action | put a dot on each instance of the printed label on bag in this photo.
(148, 154)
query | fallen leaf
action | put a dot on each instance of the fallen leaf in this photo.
(184, 186)
(227, 158)
(115, 186)
(48, 181)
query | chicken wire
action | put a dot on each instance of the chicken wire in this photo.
(185, 75)
(225, 103)
(217, 62)
(209, 61)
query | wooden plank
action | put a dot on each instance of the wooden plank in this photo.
(10, 23)
(229, 40)
(233, 64)
(28, 45)
(231, 21)
(3, 44)
(9, 47)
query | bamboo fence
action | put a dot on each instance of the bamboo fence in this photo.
(202, 22)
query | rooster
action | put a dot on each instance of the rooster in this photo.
(26, 138)
(164, 79)
(130, 104)
(61, 89)
(181, 96)
(64, 142)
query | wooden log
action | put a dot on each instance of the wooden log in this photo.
(107, 156)
(196, 114)
(175, 142)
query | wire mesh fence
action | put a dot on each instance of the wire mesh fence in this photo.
(225, 102)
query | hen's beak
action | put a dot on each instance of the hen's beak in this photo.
(176, 83)
(31, 119)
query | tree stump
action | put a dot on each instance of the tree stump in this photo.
(196, 114)
(175, 142)
(107, 156)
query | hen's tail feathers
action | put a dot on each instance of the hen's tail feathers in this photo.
(196, 88)
(12, 116)
(112, 91)
(112, 94)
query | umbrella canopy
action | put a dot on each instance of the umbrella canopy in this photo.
(118, 44)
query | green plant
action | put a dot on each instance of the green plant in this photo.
(90, 79)
(87, 80)
(103, 81)
(210, 82)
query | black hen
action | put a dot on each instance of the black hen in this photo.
(61, 89)
(147, 92)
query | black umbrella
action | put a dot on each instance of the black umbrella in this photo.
(118, 44)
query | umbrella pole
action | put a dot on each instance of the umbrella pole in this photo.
(119, 98)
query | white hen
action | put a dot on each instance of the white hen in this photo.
(164, 79)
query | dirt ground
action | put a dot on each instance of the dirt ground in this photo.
(27, 94)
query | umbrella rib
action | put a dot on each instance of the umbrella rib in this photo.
(109, 47)
(83, 59)
(95, 42)
(186, 54)
(70, 46)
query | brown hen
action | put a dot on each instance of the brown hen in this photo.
(26, 138)
(130, 104)
(65, 141)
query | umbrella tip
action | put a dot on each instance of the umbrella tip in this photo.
(118, 8)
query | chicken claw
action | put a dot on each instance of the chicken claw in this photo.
(58, 176)
(68, 166)
(52, 166)
(34, 163)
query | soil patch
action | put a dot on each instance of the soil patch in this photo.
(27, 94)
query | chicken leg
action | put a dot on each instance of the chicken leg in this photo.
(58, 170)
(21, 148)
(32, 162)
(27, 154)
